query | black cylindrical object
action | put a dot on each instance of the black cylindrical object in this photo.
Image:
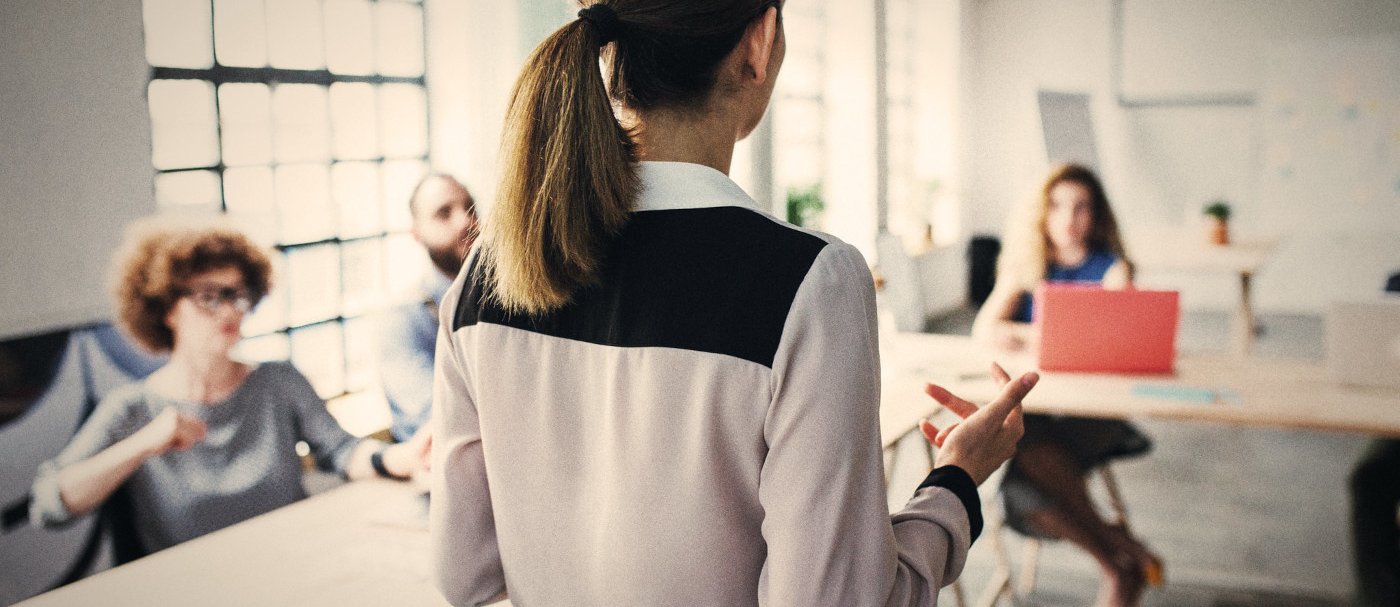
(982, 252)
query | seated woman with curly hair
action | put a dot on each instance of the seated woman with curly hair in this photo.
(205, 441)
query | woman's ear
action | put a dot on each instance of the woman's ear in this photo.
(759, 43)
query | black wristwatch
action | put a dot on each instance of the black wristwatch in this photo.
(376, 459)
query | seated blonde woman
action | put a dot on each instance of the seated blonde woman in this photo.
(1068, 234)
(205, 441)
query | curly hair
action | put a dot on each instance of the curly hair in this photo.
(158, 259)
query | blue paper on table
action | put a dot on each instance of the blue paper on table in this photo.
(1187, 394)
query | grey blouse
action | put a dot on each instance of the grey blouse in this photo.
(246, 465)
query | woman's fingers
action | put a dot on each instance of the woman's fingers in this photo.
(943, 435)
(1011, 395)
(957, 405)
(930, 431)
(1000, 374)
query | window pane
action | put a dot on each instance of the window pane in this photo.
(249, 198)
(403, 120)
(349, 37)
(301, 127)
(355, 186)
(802, 78)
(304, 206)
(404, 263)
(245, 120)
(361, 354)
(240, 33)
(399, 178)
(266, 348)
(352, 121)
(319, 353)
(182, 124)
(271, 314)
(178, 33)
(313, 283)
(186, 189)
(294, 34)
(399, 39)
(364, 275)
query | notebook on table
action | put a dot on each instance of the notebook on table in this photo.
(1363, 342)
(1087, 328)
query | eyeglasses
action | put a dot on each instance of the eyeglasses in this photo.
(210, 299)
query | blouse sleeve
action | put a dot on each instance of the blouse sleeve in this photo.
(830, 537)
(466, 556)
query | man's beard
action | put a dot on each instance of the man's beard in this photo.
(448, 259)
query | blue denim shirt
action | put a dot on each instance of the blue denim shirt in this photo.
(408, 342)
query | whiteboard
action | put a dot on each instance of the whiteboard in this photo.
(1330, 120)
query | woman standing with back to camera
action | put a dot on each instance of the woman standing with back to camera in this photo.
(649, 391)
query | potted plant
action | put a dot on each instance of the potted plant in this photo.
(805, 206)
(1217, 214)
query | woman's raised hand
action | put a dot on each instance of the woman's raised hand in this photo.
(987, 436)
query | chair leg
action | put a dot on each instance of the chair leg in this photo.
(1030, 560)
(889, 463)
(1115, 498)
(958, 598)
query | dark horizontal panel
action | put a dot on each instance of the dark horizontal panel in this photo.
(270, 75)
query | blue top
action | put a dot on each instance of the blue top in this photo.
(409, 340)
(1092, 269)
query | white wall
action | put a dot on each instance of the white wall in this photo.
(1162, 162)
(75, 155)
(475, 51)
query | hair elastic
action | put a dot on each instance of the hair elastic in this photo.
(604, 22)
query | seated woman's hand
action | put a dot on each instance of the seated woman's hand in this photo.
(987, 436)
(171, 429)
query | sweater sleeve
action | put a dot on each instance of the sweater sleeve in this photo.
(830, 537)
(467, 561)
(118, 416)
(330, 443)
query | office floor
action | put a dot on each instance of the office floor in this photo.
(1242, 516)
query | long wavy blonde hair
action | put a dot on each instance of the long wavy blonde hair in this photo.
(1025, 259)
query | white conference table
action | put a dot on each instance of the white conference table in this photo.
(1213, 389)
(363, 543)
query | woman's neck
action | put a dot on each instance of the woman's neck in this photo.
(666, 135)
(199, 376)
(1071, 256)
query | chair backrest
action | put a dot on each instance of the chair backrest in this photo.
(93, 361)
(982, 254)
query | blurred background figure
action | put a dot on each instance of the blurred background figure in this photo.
(1069, 234)
(444, 222)
(205, 441)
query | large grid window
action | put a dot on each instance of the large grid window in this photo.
(306, 122)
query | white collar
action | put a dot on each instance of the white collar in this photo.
(682, 185)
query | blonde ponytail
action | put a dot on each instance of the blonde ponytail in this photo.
(568, 180)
